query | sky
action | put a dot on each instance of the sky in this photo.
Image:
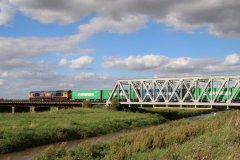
(89, 44)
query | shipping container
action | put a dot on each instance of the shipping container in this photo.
(86, 95)
(106, 94)
(123, 97)
(222, 96)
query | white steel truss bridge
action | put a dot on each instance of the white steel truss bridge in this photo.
(197, 92)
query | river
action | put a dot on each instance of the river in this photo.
(28, 154)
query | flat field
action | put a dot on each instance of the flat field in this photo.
(217, 137)
(23, 130)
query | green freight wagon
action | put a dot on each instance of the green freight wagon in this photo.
(86, 95)
(222, 96)
(106, 94)
(208, 93)
(237, 96)
(133, 95)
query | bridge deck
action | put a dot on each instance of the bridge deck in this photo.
(48, 104)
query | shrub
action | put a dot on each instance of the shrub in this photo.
(115, 104)
(86, 104)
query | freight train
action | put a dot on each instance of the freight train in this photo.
(75, 95)
(103, 95)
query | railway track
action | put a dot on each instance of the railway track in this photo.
(30, 103)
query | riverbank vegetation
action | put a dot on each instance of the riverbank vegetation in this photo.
(217, 137)
(174, 113)
(23, 130)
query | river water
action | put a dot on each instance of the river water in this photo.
(28, 154)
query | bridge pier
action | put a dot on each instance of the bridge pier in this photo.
(32, 109)
(13, 109)
(54, 108)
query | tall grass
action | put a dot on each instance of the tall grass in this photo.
(214, 138)
(174, 114)
(24, 130)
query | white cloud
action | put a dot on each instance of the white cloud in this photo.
(220, 17)
(173, 66)
(80, 62)
(146, 62)
(3, 74)
(77, 63)
(232, 59)
(1, 82)
(63, 62)
(180, 62)
(126, 24)
(7, 12)
(32, 46)
(56, 11)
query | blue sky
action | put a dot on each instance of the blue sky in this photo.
(88, 45)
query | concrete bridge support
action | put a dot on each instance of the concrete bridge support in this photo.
(13, 109)
(54, 108)
(32, 109)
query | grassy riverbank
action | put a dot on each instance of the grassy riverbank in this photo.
(215, 138)
(24, 130)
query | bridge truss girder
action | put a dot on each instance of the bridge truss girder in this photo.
(186, 91)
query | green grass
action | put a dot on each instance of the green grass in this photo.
(23, 130)
(215, 138)
(173, 114)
